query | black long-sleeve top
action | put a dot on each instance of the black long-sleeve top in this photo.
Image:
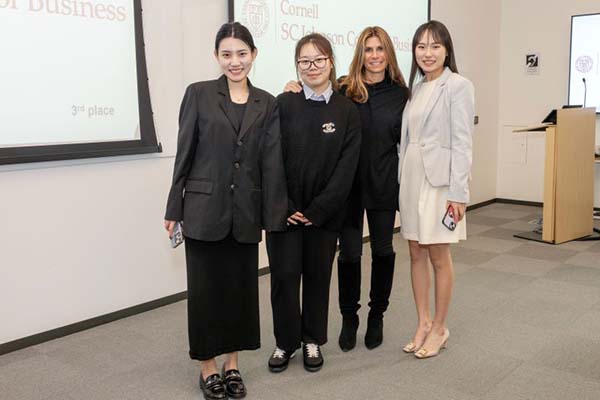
(321, 147)
(376, 184)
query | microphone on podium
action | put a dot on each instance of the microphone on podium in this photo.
(584, 91)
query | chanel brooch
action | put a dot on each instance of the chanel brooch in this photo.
(328, 127)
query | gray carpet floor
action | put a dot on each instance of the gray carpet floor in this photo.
(524, 322)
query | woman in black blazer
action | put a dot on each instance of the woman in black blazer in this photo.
(228, 184)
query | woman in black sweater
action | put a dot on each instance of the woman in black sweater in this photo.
(320, 135)
(376, 85)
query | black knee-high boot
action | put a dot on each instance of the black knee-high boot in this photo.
(382, 277)
(349, 297)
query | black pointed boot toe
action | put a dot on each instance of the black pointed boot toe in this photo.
(347, 340)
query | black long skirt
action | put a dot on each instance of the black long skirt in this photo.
(222, 279)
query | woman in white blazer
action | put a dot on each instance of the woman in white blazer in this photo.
(435, 155)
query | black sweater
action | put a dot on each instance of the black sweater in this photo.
(321, 148)
(376, 184)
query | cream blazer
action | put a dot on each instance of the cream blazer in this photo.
(446, 139)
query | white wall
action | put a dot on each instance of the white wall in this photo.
(475, 29)
(84, 238)
(541, 26)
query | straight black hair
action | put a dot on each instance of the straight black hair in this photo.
(440, 34)
(237, 31)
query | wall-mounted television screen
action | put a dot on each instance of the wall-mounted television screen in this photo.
(584, 70)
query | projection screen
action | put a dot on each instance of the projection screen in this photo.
(585, 61)
(277, 25)
(73, 80)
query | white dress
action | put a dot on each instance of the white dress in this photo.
(423, 206)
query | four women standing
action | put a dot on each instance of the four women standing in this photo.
(231, 174)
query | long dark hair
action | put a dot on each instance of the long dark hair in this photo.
(237, 31)
(324, 46)
(439, 33)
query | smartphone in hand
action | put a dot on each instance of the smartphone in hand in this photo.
(177, 237)
(448, 220)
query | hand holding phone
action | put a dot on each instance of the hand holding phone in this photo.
(177, 237)
(448, 221)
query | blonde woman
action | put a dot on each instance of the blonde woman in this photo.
(376, 85)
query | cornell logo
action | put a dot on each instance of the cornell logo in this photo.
(255, 15)
(584, 64)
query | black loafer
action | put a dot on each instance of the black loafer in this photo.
(234, 385)
(213, 387)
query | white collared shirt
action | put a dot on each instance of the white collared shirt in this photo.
(310, 94)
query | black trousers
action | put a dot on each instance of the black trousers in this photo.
(301, 254)
(381, 231)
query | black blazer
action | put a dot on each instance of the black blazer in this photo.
(224, 180)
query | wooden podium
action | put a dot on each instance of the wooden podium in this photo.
(568, 176)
